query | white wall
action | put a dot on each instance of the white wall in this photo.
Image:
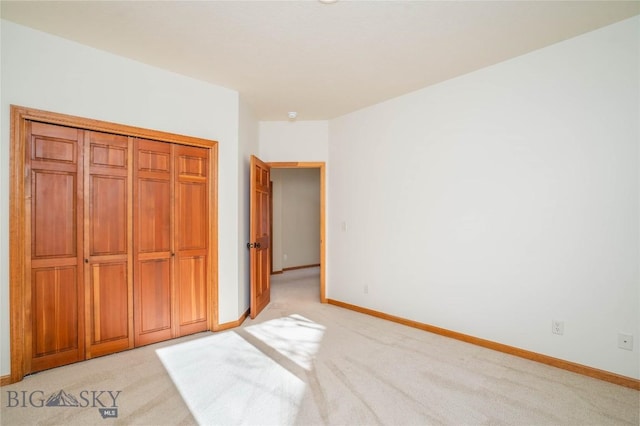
(296, 217)
(501, 200)
(248, 145)
(50, 73)
(5, 350)
(276, 221)
(294, 141)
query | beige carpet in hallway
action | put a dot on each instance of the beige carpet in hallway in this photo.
(353, 370)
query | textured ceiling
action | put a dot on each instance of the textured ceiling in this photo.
(322, 60)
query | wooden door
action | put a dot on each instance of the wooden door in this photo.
(55, 296)
(153, 245)
(191, 238)
(107, 248)
(259, 233)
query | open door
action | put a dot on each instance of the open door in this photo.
(260, 227)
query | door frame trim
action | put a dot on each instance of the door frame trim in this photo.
(17, 210)
(323, 220)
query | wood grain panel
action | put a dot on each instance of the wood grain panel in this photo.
(154, 161)
(54, 150)
(188, 165)
(260, 234)
(155, 295)
(193, 220)
(109, 305)
(51, 143)
(108, 215)
(262, 254)
(154, 209)
(191, 238)
(107, 244)
(110, 156)
(52, 131)
(56, 292)
(153, 230)
(55, 310)
(192, 280)
(53, 214)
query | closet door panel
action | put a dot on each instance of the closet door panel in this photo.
(54, 218)
(153, 275)
(55, 318)
(54, 253)
(193, 292)
(192, 216)
(109, 303)
(108, 215)
(155, 295)
(154, 202)
(191, 237)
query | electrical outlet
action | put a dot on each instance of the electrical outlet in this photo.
(284, 256)
(366, 289)
(557, 327)
(625, 341)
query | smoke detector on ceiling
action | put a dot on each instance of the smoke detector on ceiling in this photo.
(292, 115)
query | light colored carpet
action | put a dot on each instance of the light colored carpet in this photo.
(226, 380)
(353, 370)
(294, 336)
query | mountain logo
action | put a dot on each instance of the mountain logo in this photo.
(62, 399)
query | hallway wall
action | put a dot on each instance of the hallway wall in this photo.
(296, 217)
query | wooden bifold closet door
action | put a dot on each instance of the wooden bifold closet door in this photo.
(55, 279)
(152, 242)
(80, 292)
(118, 243)
(108, 243)
(191, 238)
(171, 239)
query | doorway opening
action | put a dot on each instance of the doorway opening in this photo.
(308, 249)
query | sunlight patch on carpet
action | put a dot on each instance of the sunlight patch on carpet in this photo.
(225, 380)
(295, 337)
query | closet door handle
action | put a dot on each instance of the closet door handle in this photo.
(86, 261)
